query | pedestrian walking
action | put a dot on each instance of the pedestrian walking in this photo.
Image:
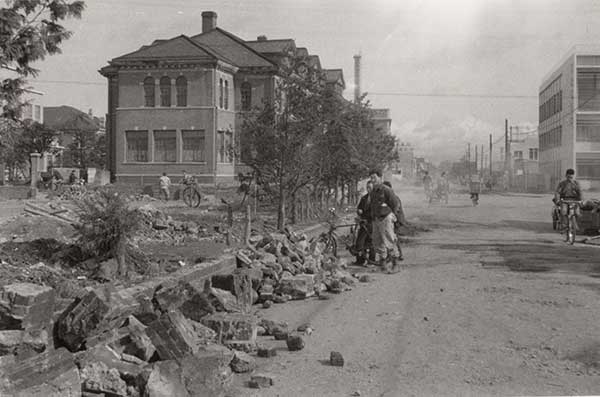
(384, 206)
(363, 243)
(164, 185)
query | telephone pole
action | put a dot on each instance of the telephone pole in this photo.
(490, 156)
(476, 162)
(469, 159)
(481, 168)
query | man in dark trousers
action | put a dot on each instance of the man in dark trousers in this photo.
(363, 239)
(568, 189)
(384, 207)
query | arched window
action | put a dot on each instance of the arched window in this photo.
(165, 91)
(246, 95)
(149, 92)
(181, 84)
(226, 94)
(221, 93)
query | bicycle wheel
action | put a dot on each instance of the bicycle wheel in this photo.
(191, 197)
(330, 244)
(571, 232)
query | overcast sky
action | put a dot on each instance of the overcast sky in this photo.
(411, 49)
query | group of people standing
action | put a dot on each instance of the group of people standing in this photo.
(380, 211)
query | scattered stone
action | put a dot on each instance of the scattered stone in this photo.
(280, 332)
(365, 278)
(261, 381)
(281, 298)
(98, 378)
(26, 306)
(336, 359)
(107, 270)
(267, 304)
(268, 258)
(295, 342)
(300, 286)
(266, 352)
(425, 318)
(225, 301)
(303, 327)
(261, 331)
(242, 363)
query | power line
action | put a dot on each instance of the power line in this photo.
(67, 82)
(415, 94)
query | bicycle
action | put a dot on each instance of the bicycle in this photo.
(571, 224)
(190, 195)
(330, 238)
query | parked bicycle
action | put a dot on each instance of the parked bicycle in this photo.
(330, 237)
(191, 194)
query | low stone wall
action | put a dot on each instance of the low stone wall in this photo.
(14, 192)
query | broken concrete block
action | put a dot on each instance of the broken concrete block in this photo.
(242, 362)
(266, 352)
(242, 259)
(268, 258)
(224, 301)
(280, 333)
(52, 373)
(34, 341)
(295, 342)
(336, 359)
(299, 287)
(100, 310)
(173, 336)
(266, 292)
(165, 379)
(10, 341)
(140, 345)
(267, 304)
(110, 358)
(26, 306)
(232, 327)
(260, 381)
(98, 378)
(207, 372)
(238, 283)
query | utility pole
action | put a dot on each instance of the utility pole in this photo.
(491, 157)
(505, 144)
(481, 168)
(476, 162)
(469, 160)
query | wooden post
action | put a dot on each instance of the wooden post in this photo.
(248, 225)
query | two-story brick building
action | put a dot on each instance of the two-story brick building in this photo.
(177, 104)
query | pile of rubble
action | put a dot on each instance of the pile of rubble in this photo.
(181, 336)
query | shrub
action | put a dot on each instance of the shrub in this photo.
(107, 226)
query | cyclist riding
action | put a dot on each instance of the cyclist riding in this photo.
(567, 190)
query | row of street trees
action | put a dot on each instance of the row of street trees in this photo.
(308, 142)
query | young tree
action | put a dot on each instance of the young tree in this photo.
(279, 139)
(29, 30)
(34, 138)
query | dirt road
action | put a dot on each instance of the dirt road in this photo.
(490, 302)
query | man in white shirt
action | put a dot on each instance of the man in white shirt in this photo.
(164, 184)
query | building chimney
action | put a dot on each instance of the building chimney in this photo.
(262, 37)
(209, 21)
(356, 78)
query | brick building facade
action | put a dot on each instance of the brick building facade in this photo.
(178, 104)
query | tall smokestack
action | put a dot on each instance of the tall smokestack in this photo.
(356, 78)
